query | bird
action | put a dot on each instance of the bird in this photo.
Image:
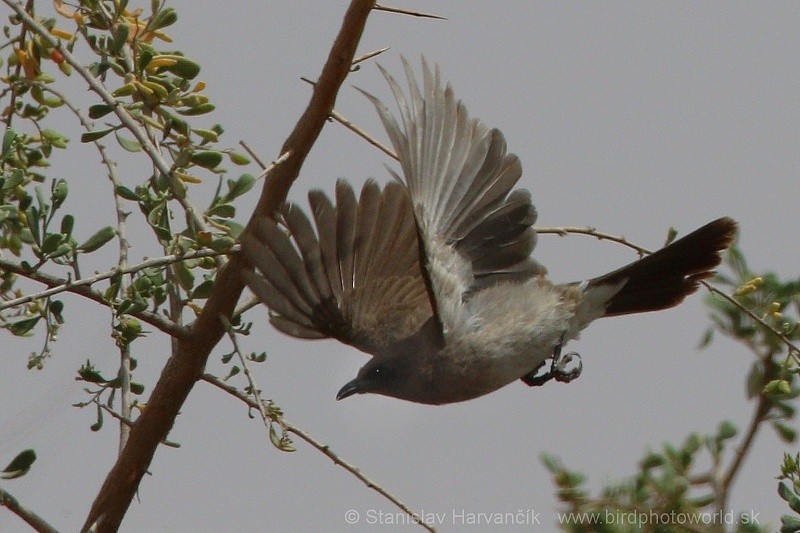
(432, 274)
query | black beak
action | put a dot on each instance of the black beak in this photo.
(352, 387)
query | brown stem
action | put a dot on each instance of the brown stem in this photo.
(186, 366)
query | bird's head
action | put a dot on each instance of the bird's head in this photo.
(400, 375)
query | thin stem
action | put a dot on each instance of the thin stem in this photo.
(66, 285)
(32, 519)
(82, 288)
(321, 447)
(565, 230)
(403, 11)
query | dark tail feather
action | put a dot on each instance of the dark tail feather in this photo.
(663, 279)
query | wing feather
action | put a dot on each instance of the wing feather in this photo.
(357, 279)
(475, 229)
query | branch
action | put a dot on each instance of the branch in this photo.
(565, 230)
(403, 11)
(186, 366)
(30, 518)
(324, 448)
(63, 285)
(724, 485)
(82, 288)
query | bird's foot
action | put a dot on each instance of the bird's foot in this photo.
(566, 367)
(563, 368)
(536, 379)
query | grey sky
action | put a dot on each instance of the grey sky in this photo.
(629, 117)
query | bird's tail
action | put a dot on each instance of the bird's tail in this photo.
(664, 278)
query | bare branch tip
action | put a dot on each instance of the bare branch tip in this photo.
(411, 13)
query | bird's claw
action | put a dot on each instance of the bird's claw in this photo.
(559, 368)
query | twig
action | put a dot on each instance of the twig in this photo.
(254, 390)
(335, 115)
(63, 285)
(127, 421)
(363, 134)
(30, 518)
(793, 348)
(403, 11)
(282, 159)
(723, 487)
(369, 55)
(82, 288)
(321, 447)
(565, 230)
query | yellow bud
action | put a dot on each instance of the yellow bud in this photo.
(747, 288)
(61, 34)
(160, 61)
(187, 177)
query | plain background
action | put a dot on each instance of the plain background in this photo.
(629, 117)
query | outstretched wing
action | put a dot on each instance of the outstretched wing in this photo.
(356, 279)
(475, 231)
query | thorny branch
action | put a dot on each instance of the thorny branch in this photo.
(321, 447)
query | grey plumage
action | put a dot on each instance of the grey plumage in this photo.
(432, 274)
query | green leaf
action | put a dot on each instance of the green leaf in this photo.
(98, 239)
(238, 158)
(59, 193)
(100, 110)
(16, 177)
(209, 159)
(185, 276)
(703, 501)
(777, 386)
(787, 434)
(184, 68)
(8, 140)
(222, 210)
(234, 229)
(234, 370)
(90, 136)
(206, 135)
(119, 39)
(708, 336)
(63, 249)
(240, 186)
(56, 308)
(45, 99)
(727, 430)
(128, 144)
(201, 109)
(126, 193)
(162, 19)
(790, 524)
(203, 290)
(23, 327)
(20, 465)
(137, 388)
(221, 244)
